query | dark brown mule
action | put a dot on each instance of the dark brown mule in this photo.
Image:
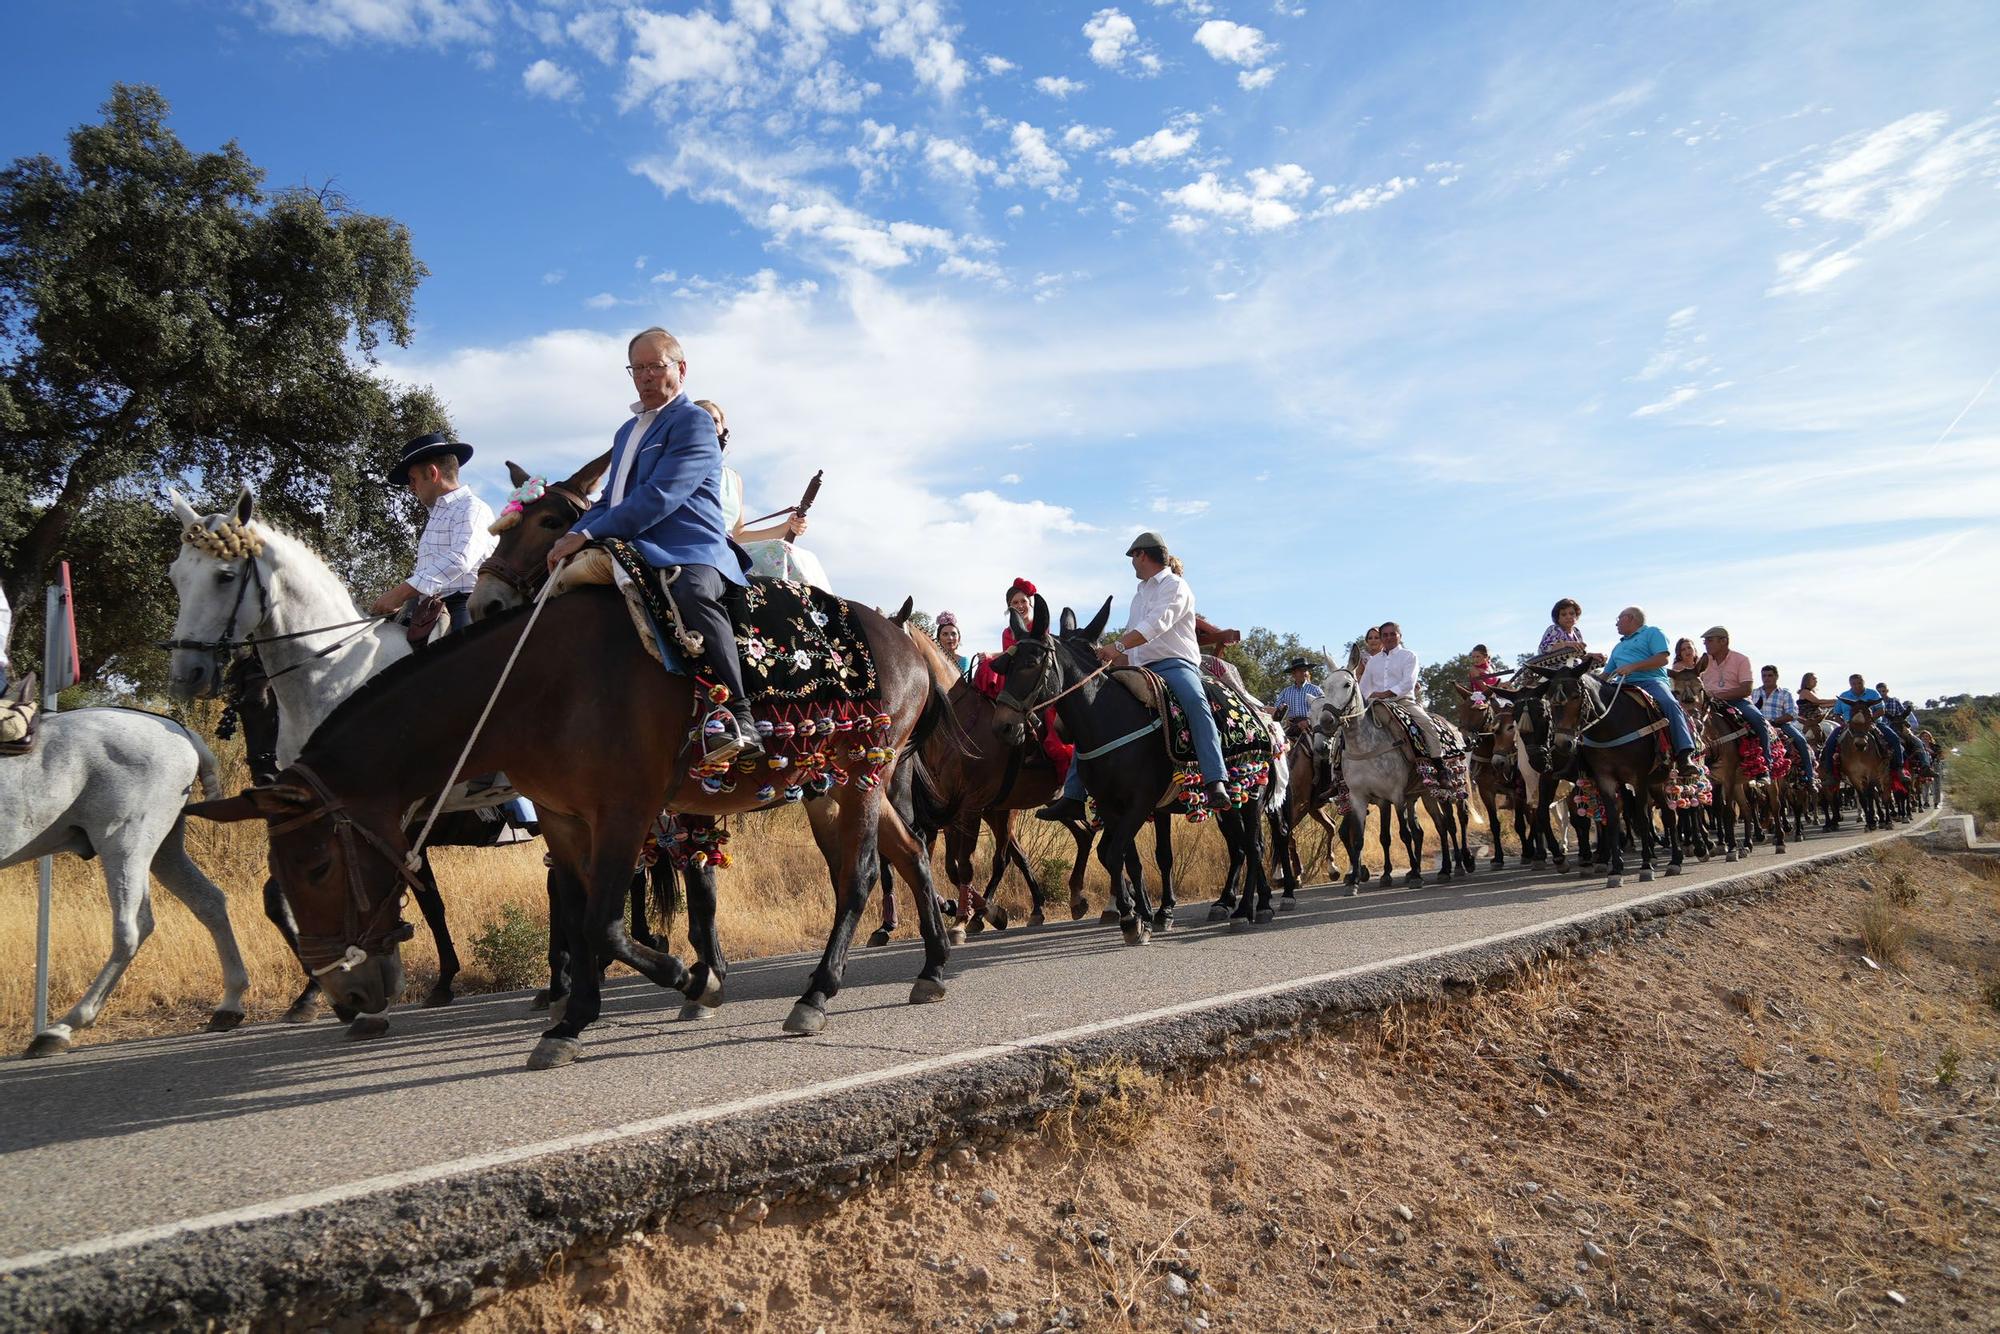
(1864, 766)
(1307, 795)
(1496, 771)
(1575, 718)
(599, 756)
(1721, 729)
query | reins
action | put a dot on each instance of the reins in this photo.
(354, 929)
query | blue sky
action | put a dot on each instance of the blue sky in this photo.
(1427, 312)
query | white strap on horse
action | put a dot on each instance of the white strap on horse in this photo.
(415, 859)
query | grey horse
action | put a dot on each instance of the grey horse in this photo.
(111, 783)
(1376, 772)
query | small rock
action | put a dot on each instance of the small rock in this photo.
(989, 1197)
(1177, 1286)
(1539, 1110)
(736, 1310)
(1897, 1297)
(1596, 1254)
(1870, 964)
(1270, 1232)
(710, 1229)
(593, 1323)
(1531, 1187)
(979, 1277)
(1006, 1320)
(1404, 1212)
(1254, 1080)
(1954, 1273)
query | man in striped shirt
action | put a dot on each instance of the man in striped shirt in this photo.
(1781, 710)
(455, 541)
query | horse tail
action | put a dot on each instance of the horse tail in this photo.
(930, 810)
(938, 713)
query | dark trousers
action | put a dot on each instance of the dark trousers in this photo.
(703, 595)
(458, 610)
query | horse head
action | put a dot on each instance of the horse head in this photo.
(1550, 716)
(341, 870)
(537, 512)
(1339, 701)
(222, 579)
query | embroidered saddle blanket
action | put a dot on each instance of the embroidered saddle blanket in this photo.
(1241, 726)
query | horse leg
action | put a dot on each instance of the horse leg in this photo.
(279, 913)
(1002, 825)
(432, 904)
(1413, 840)
(557, 991)
(1163, 861)
(641, 928)
(907, 853)
(1612, 837)
(1113, 848)
(705, 979)
(886, 927)
(1079, 904)
(1354, 838)
(1225, 901)
(1017, 857)
(1388, 858)
(1499, 858)
(184, 880)
(860, 819)
(1331, 833)
(131, 922)
(1285, 858)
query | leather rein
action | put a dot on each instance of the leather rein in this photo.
(361, 923)
(228, 645)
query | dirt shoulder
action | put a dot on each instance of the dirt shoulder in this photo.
(1736, 1120)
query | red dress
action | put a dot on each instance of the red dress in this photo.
(988, 683)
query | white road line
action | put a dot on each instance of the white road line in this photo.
(417, 1176)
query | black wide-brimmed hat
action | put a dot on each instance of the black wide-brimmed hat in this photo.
(1298, 665)
(423, 449)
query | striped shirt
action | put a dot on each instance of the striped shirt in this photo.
(454, 545)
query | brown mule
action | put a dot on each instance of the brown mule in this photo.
(1864, 766)
(598, 763)
(1735, 791)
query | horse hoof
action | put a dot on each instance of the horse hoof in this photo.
(558, 1008)
(1265, 917)
(304, 1010)
(1645, 877)
(552, 1052)
(1353, 889)
(1108, 916)
(974, 927)
(709, 993)
(805, 1021)
(1079, 909)
(438, 995)
(926, 991)
(1288, 904)
(1729, 856)
(224, 1020)
(1135, 932)
(1414, 881)
(1238, 925)
(695, 1011)
(1613, 881)
(999, 919)
(49, 1044)
(1217, 911)
(1674, 869)
(880, 937)
(541, 1000)
(367, 1026)
(1163, 921)
(1037, 918)
(956, 935)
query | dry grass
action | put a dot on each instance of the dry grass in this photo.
(776, 898)
(1885, 931)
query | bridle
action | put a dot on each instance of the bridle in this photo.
(227, 645)
(363, 928)
(524, 583)
(1048, 678)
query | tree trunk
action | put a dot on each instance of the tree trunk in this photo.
(26, 574)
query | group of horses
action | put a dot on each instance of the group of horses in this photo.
(370, 731)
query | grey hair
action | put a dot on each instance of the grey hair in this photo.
(1636, 611)
(669, 345)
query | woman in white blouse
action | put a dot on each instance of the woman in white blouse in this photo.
(772, 553)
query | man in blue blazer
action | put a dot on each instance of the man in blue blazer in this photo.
(664, 498)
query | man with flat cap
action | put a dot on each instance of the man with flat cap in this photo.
(663, 497)
(455, 541)
(1159, 635)
(1295, 701)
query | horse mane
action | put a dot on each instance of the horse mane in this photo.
(386, 680)
(297, 557)
(944, 672)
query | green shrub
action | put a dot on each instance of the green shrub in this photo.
(514, 951)
(1972, 777)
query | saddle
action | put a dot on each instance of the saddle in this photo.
(17, 717)
(1236, 718)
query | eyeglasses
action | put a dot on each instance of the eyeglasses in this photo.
(649, 368)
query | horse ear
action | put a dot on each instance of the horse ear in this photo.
(272, 802)
(183, 511)
(590, 474)
(1095, 629)
(1040, 629)
(1067, 624)
(1504, 692)
(1462, 691)
(902, 616)
(516, 473)
(246, 503)
(1017, 625)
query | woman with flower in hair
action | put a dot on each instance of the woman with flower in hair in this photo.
(988, 682)
(948, 640)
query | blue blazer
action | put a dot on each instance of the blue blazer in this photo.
(672, 511)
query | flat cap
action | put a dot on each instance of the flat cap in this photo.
(1146, 540)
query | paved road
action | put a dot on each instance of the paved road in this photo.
(125, 1143)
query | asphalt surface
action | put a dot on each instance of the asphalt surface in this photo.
(118, 1146)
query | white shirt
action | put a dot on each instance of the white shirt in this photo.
(646, 418)
(6, 627)
(454, 545)
(1163, 611)
(1393, 670)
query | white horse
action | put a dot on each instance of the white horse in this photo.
(1371, 762)
(111, 783)
(240, 580)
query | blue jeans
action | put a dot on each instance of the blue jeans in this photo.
(1886, 732)
(1184, 679)
(1759, 724)
(1805, 752)
(1677, 722)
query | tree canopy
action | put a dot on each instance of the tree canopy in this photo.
(166, 319)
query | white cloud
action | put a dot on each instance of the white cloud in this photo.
(1262, 206)
(1058, 86)
(1874, 185)
(958, 266)
(912, 30)
(1010, 479)
(547, 79)
(1162, 505)
(597, 32)
(954, 161)
(1686, 393)
(997, 64)
(1233, 43)
(602, 301)
(1250, 80)
(553, 276)
(1366, 197)
(402, 22)
(1084, 137)
(1038, 164)
(1162, 145)
(1114, 39)
(672, 50)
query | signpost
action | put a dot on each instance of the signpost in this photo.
(59, 667)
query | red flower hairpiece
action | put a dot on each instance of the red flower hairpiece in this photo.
(1023, 587)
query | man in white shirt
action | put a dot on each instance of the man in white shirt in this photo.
(1392, 675)
(455, 541)
(6, 626)
(1159, 635)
